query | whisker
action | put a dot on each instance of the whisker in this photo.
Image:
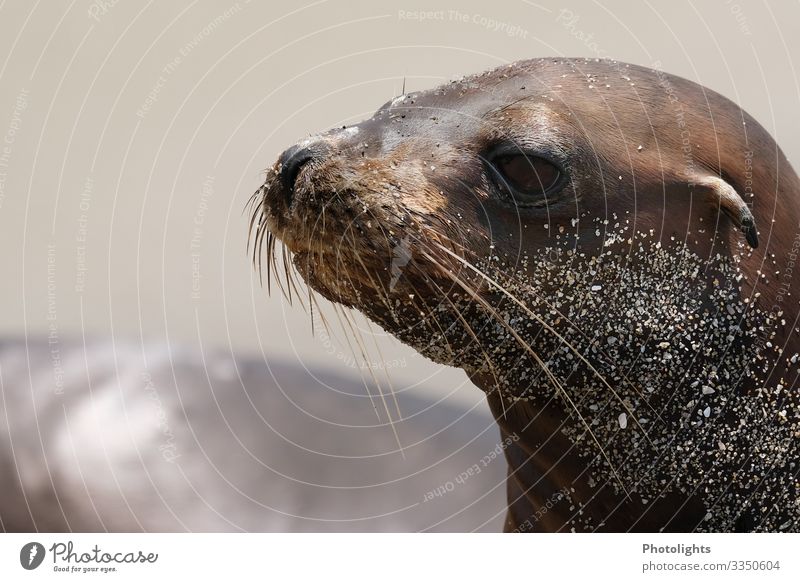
(392, 391)
(345, 315)
(549, 328)
(270, 250)
(468, 328)
(380, 391)
(559, 387)
(450, 224)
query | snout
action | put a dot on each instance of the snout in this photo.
(306, 189)
(292, 162)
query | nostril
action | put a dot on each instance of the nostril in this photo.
(292, 160)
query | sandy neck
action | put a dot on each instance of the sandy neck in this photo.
(551, 487)
(638, 388)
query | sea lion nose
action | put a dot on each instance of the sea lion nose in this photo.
(293, 160)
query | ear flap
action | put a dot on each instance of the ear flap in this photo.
(732, 204)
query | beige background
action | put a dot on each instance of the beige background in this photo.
(112, 202)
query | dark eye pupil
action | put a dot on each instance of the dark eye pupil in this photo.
(528, 175)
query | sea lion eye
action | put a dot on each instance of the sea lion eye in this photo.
(526, 178)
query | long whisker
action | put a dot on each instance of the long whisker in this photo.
(384, 297)
(369, 368)
(549, 328)
(559, 387)
(392, 391)
(468, 328)
(354, 332)
(270, 249)
(447, 225)
(358, 338)
(256, 227)
(383, 399)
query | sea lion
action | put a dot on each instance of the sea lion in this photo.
(608, 251)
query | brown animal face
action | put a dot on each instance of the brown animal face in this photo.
(392, 215)
(566, 232)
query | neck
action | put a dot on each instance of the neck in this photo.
(552, 488)
(644, 393)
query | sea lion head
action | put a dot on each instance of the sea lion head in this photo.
(541, 160)
(580, 237)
